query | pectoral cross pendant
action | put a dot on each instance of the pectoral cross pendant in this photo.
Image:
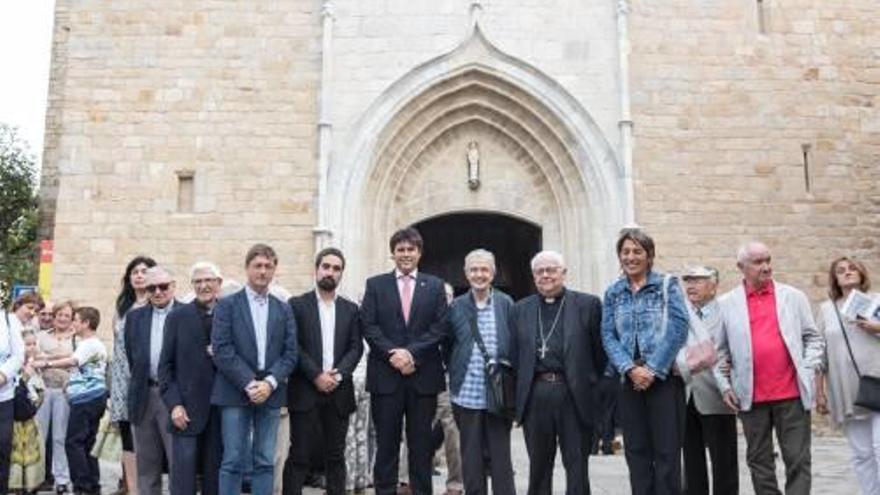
(543, 350)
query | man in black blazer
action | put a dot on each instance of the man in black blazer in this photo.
(144, 333)
(320, 394)
(557, 350)
(186, 377)
(403, 313)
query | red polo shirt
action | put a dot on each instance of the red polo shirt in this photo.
(775, 377)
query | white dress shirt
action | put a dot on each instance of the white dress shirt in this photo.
(327, 314)
(259, 306)
(157, 335)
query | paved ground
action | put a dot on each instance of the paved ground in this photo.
(609, 476)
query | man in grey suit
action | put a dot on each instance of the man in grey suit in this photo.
(254, 345)
(775, 352)
(709, 423)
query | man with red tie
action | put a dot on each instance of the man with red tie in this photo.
(403, 313)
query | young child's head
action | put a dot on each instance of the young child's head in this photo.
(30, 343)
(86, 320)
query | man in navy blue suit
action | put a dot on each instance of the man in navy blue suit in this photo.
(186, 377)
(144, 334)
(403, 313)
(254, 345)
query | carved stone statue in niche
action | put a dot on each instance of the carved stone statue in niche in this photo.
(473, 163)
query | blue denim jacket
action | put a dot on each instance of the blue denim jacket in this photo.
(628, 318)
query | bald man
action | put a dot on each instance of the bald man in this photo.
(775, 351)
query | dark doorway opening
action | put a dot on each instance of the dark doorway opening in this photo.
(448, 238)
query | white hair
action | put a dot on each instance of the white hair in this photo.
(548, 255)
(479, 255)
(158, 270)
(204, 265)
(743, 254)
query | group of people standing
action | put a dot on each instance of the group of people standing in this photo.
(198, 388)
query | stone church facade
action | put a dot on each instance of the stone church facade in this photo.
(190, 130)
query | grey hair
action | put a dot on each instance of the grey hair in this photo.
(479, 255)
(159, 269)
(742, 254)
(548, 255)
(204, 265)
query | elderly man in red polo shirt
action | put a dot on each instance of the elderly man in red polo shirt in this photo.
(775, 352)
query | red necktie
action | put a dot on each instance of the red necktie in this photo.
(406, 297)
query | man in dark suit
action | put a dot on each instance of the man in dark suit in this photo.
(254, 344)
(144, 334)
(403, 313)
(557, 350)
(321, 391)
(186, 376)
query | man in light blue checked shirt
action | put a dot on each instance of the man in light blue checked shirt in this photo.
(481, 312)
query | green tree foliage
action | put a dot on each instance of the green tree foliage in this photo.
(19, 215)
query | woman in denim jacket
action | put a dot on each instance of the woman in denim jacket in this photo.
(642, 350)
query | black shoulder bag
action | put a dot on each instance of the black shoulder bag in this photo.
(500, 380)
(868, 395)
(23, 408)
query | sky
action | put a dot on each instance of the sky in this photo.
(25, 41)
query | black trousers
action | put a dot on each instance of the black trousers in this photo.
(321, 429)
(717, 433)
(6, 420)
(550, 420)
(792, 426)
(482, 433)
(609, 389)
(388, 412)
(653, 434)
(195, 454)
(82, 430)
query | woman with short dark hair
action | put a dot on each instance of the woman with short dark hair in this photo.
(644, 324)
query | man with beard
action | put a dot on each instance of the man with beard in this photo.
(186, 376)
(321, 390)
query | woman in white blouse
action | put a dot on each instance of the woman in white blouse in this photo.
(838, 387)
(11, 359)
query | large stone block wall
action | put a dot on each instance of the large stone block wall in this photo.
(143, 91)
(721, 113)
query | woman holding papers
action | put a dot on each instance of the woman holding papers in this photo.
(852, 348)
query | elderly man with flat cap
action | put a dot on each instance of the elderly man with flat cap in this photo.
(709, 423)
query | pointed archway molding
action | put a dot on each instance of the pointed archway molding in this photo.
(478, 83)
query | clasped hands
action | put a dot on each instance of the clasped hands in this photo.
(402, 361)
(326, 381)
(641, 378)
(258, 391)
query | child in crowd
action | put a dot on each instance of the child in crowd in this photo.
(87, 395)
(27, 468)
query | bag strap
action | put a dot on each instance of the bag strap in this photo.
(475, 333)
(664, 320)
(845, 338)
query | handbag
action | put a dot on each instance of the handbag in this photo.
(868, 395)
(23, 407)
(500, 380)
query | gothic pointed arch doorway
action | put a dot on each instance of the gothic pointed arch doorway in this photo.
(448, 238)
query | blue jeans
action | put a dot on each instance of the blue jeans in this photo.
(238, 423)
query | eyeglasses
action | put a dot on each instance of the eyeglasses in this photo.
(162, 287)
(547, 270)
(207, 280)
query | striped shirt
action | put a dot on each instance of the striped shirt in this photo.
(472, 394)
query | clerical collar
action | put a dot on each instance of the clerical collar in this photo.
(204, 307)
(163, 310)
(553, 300)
